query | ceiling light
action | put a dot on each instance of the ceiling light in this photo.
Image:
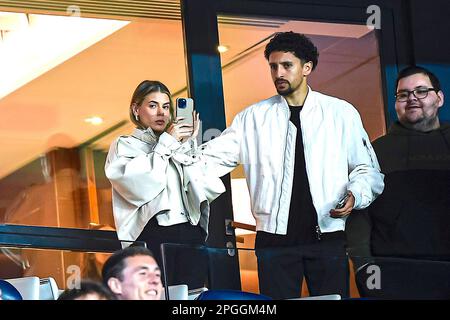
(94, 120)
(222, 48)
(30, 47)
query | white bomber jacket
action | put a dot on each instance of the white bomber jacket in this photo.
(338, 156)
(137, 167)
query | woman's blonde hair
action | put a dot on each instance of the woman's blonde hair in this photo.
(143, 89)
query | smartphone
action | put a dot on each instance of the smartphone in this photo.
(185, 109)
(342, 201)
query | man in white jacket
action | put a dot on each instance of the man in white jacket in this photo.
(302, 152)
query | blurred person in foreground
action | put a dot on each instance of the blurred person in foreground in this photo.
(133, 274)
(89, 290)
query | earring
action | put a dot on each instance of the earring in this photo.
(136, 116)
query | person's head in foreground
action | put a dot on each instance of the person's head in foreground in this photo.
(133, 274)
(88, 290)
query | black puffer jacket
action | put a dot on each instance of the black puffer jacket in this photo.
(412, 216)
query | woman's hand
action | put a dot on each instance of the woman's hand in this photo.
(179, 130)
(183, 131)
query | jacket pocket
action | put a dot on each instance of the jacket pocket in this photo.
(262, 190)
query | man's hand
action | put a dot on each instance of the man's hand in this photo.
(346, 209)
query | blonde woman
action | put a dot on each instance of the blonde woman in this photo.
(160, 192)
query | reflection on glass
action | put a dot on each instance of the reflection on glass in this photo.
(63, 266)
(92, 262)
(371, 277)
(66, 267)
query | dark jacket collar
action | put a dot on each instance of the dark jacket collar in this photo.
(398, 129)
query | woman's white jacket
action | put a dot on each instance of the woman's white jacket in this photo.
(136, 166)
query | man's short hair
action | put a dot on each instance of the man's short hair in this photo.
(87, 287)
(115, 264)
(411, 70)
(299, 44)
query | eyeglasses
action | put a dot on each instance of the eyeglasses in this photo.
(419, 93)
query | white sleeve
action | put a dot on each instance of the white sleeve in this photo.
(365, 177)
(222, 154)
(138, 176)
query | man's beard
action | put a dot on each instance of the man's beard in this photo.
(423, 123)
(285, 92)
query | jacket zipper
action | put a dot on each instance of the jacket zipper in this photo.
(318, 232)
(305, 146)
(282, 167)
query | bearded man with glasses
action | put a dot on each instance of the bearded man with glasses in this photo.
(411, 219)
(418, 100)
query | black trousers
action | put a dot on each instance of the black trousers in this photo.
(324, 264)
(184, 265)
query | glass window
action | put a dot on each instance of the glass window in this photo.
(348, 68)
(65, 88)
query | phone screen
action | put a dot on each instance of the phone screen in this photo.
(185, 109)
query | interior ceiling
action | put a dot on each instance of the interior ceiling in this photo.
(50, 45)
(49, 111)
(125, 10)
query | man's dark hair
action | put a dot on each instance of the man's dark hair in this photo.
(115, 264)
(87, 287)
(411, 70)
(299, 44)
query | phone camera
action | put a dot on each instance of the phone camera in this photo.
(181, 103)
